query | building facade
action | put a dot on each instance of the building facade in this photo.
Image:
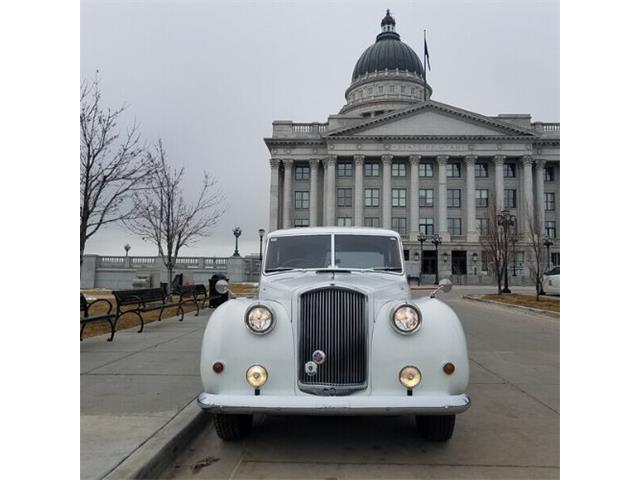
(394, 158)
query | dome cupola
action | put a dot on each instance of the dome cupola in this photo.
(387, 76)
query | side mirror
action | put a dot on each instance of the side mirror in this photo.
(445, 285)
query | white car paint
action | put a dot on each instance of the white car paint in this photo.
(551, 281)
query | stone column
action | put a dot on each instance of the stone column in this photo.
(330, 192)
(443, 229)
(414, 205)
(358, 194)
(313, 193)
(540, 193)
(527, 162)
(470, 200)
(274, 194)
(498, 161)
(386, 191)
(287, 194)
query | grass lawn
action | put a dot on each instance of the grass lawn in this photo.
(131, 320)
(550, 304)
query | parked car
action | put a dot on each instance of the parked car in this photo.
(551, 281)
(334, 331)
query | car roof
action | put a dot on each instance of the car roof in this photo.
(334, 230)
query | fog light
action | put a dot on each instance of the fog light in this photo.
(257, 376)
(449, 368)
(410, 376)
(218, 367)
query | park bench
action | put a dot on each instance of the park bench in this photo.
(192, 293)
(144, 300)
(85, 305)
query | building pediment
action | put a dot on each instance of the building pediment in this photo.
(433, 119)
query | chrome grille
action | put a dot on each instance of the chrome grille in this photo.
(334, 320)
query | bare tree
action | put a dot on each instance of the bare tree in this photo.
(112, 164)
(536, 259)
(164, 217)
(493, 242)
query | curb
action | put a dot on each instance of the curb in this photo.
(153, 456)
(515, 307)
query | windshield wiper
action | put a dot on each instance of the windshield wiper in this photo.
(278, 269)
(333, 270)
(387, 269)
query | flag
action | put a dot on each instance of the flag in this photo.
(426, 51)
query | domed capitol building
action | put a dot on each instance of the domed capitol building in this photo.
(394, 158)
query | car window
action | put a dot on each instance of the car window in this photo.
(553, 271)
(367, 251)
(304, 251)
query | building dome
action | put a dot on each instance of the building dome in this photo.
(387, 76)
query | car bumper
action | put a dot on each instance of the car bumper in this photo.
(346, 405)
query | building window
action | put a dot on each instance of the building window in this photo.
(398, 169)
(371, 197)
(380, 90)
(549, 174)
(453, 169)
(426, 226)
(482, 226)
(453, 198)
(399, 197)
(510, 170)
(510, 199)
(302, 173)
(484, 261)
(302, 199)
(555, 258)
(425, 197)
(344, 197)
(301, 222)
(550, 228)
(345, 169)
(549, 201)
(371, 169)
(482, 198)
(372, 222)
(425, 169)
(482, 169)
(344, 221)
(454, 225)
(399, 224)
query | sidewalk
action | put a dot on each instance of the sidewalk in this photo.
(133, 386)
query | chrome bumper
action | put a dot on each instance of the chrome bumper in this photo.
(348, 405)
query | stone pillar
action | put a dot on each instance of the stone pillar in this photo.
(540, 194)
(443, 229)
(498, 161)
(274, 194)
(386, 191)
(235, 269)
(470, 200)
(414, 205)
(287, 194)
(358, 194)
(88, 271)
(527, 162)
(313, 193)
(330, 192)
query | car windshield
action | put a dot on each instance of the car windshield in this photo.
(304, 251)
(368, 251)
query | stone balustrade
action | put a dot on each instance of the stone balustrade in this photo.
(282, 129)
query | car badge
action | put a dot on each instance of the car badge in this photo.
(311, 368)
(319, 357)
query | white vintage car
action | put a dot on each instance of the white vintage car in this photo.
(334, 331)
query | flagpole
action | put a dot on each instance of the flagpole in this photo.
(424, 64)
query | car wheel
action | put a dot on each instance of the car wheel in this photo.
(436, 428)
(232, 427)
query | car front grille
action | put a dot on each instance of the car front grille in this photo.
(333, 320)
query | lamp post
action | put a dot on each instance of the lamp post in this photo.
(547, 243)
(261, 235)
(506, 221)
(127, 247)
(436, 240)
(421, 238)
(236, 233)
(514, 239)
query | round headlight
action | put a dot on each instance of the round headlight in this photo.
(257, 375)
(406, 319)
(410, 376)
(259, 319)
(222, 287)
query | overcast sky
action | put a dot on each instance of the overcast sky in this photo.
(210, 77)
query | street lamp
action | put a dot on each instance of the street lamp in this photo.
(547, 243)
(506, 221)
(261, 234)
(436, 240)
(421, 238)
(514, 239)
(127, 247)
(236, 233)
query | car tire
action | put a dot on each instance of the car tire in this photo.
(436, 428)
(230, 427)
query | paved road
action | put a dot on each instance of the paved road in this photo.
(511, 431)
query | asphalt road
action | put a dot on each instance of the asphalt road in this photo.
(511, 430)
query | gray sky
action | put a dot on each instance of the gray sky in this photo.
(210, 77)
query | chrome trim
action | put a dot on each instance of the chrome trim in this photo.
(393, 322)
(246, 319)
